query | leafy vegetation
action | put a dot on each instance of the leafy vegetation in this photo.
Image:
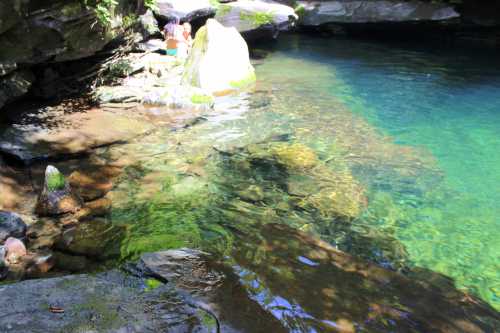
(104, 9)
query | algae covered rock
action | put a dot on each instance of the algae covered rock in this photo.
(219, 60)
(57, 197)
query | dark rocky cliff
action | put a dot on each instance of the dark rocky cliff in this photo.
(48, 31)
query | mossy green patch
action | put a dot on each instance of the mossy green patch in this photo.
(106, 316)
(245, 82)
(258, 18)
(207, 319)
(152, 284)
(222, 10)
(55, 181)
(201, 99)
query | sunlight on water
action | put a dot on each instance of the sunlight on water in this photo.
(445, 102)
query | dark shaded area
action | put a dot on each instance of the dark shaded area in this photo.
(310, 285)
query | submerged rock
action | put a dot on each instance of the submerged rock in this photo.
(97, 238)
(11, 225)
(328, 192)
(256, 18)
(90, 185)
(288, 270)
(219, 60)
(57, 197)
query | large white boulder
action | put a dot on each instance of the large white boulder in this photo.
(314, 13)
(219, 60)
(251, 15)
(185, 10)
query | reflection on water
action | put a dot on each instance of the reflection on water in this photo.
(336, 144)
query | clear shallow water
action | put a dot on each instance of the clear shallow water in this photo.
(387, 153)
(446, 102)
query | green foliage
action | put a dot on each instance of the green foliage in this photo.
(129, 20)
(103, 10)
(151, 4)
(121, 68)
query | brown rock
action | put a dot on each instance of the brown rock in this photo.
(43, 233)
(91, 185)
(99, 207)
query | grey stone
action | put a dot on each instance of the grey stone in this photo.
(11, 225)
(14, 85)
(251, 17)
(149, 26)
(184, 10)
(314, 13)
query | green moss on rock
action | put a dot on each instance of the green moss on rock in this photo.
(55, 181)
(245, 82)
(258, 18)
(201, 99)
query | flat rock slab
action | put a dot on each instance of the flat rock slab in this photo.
(107, 302)
(52, 132)
(194, 298)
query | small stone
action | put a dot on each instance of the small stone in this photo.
(57, 196)
(11, 225)
(15, 250)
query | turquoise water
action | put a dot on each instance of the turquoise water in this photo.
(388, 153)
(445, 102)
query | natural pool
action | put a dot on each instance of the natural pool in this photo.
(388, 153)
(445, 102)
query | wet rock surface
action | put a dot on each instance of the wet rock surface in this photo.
(186, 290)
(51, 132)
(116, 302)
(11, 225)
